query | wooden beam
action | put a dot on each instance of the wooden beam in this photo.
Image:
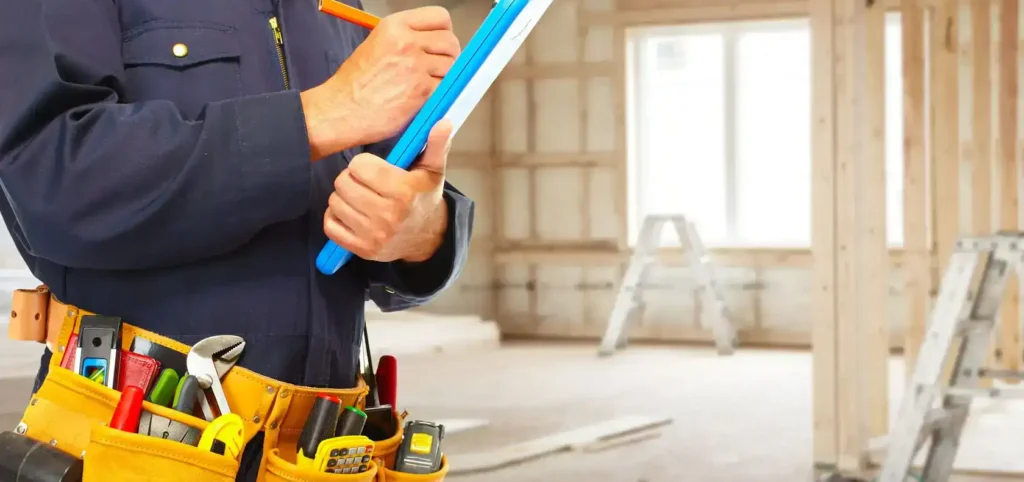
(1009, 36)
(851, 259)
(979, 155)
(915, 208)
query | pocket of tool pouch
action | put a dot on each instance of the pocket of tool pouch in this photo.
(71, 413)
(280, 470)
(113, 456)
(388, 475)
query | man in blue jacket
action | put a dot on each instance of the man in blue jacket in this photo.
(180, 164)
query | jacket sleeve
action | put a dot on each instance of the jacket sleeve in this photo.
(95, 183)
(399, 285)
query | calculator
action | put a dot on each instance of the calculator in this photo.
(344, 455)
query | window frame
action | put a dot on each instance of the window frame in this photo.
(637, 39)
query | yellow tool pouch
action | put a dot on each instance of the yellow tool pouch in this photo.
(71, 413)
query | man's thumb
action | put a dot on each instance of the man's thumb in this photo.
(435, 156)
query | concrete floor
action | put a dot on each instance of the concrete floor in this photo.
(742, 418)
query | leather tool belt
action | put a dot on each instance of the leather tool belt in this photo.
(71, 412)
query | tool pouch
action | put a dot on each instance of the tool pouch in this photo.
(388, 475)
(279, 464)
(113, 455)
(70, 412)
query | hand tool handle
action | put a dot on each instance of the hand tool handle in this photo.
(25, 460)
(129, 409)
(387, 380)
(320, 425)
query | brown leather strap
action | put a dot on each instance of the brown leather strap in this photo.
(29, 315)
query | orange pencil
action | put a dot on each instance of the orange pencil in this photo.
(349, 14)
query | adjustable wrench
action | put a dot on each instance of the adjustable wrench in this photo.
(208, 361)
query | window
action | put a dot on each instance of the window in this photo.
(720, 126)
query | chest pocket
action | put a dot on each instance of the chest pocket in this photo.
(188, 64)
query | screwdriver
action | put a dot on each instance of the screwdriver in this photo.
(320, 425)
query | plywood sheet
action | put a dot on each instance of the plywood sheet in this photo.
(599, 44)
(475, 184)
(554, 38)
(559, 195)
(516, 215)
(513, 99)
(604, 217)
(559, 294)
(601, 120)
(557, 128)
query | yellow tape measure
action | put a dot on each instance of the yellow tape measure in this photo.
(224, 436)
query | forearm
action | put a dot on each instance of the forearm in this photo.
(115, 186)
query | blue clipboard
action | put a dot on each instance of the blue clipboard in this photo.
(495, 42)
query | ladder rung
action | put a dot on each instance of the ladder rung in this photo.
(1005, 374)
(985, 392)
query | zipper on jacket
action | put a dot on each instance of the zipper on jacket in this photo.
(279, 45)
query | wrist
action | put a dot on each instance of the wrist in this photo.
(433, 232)
(329, 123)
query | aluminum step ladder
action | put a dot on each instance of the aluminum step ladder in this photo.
(715, 313)
(965, 313)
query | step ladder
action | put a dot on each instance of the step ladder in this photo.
(629, 298)
(964, 316)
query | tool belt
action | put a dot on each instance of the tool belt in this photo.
(71, 412)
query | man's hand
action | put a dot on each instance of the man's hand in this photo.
(388, 78)
(380, 212)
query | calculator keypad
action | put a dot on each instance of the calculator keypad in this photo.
(352, 460)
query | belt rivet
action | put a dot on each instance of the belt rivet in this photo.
(273, 425)
(285, 393)
(256, 419)
(71, 313)
(83, 454)
(270, 390)
(60, 349)
(21, 429)
(34, 402)
(53, 442)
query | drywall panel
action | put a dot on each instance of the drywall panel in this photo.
(601, 121)
(516, 218)
(559, 194)
(475, 184)
(559, 295)
(599, 44)
(475, 133)
(554, 39)
(598, 5)
(467, 17)
(678, 4)
(514, 300)
(520, 56)
(471, 293)
(600, 298)
(785, 298)
(604, 217)
(668, 298)
(513, 99)
(557, 127)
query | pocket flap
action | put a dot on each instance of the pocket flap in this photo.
(113, 455)
(179, 45)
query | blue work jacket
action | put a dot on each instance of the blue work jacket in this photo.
(155, 166)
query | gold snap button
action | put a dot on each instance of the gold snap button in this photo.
(179, 50)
